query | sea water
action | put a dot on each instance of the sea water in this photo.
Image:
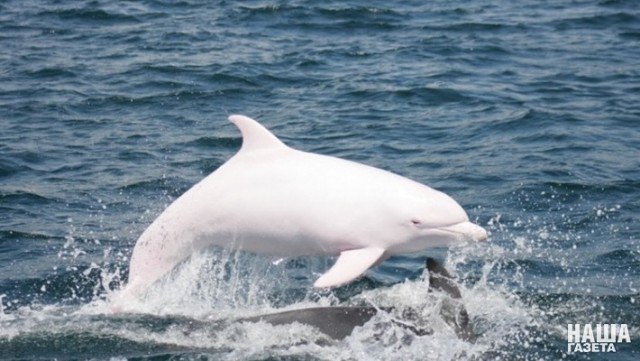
(527, 113)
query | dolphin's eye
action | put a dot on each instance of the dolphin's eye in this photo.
(416, 222)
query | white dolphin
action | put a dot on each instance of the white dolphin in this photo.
(273, 199)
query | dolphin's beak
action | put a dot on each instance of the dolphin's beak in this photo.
(467, 230)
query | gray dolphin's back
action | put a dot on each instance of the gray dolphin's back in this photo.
(338, 322)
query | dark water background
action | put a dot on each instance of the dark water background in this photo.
(527, 113)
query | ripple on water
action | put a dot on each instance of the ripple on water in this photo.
(524, 112)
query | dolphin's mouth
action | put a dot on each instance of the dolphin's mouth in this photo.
(467, 230)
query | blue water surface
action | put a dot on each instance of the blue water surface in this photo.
(527, 113)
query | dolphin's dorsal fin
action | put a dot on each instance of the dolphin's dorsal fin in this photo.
(254, 135)
(350, 265)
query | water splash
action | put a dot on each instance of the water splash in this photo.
(192, 310)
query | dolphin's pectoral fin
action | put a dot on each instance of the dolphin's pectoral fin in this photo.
(349, 266)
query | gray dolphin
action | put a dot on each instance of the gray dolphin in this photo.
(339, 322)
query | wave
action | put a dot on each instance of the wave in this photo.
(10, 167)
(26, 198)
(215, 142)
(475, 27)
(624, 259)
(52, 72)
(89, 15)
(418, 95)
(595, 21)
